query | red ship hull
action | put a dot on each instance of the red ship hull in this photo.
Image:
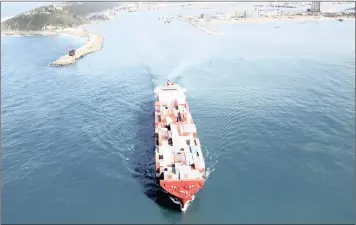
(183, 191)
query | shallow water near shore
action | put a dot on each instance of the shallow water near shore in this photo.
(274, 109)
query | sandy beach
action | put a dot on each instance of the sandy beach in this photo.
(199, 23)
(28, 33)
(271, 19)
(95, 41)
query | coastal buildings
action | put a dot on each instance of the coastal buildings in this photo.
(315, 7)
(208, 16)
(57, 7)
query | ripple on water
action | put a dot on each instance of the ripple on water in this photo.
(277, 126)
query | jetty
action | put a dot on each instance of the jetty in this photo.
(190, 21)
(95, 43)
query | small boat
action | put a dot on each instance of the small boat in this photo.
(340, 20)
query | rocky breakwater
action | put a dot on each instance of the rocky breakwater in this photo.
(95, 43)
(198, 24)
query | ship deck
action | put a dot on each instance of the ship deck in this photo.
(178, 151)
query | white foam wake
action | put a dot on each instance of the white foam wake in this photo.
(181, 68)
(209, 171)
(175, 201)
(178, 71)
(183, 208)
(186, 205)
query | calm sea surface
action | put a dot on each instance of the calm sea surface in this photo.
(274, 108)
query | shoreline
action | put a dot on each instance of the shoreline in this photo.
(271, 19)
(200, 23)
(200, 27)
(94, 42)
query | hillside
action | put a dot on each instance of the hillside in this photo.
(58, 16)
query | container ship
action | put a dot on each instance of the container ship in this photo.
(180, 165)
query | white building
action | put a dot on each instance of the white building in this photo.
(315, 7)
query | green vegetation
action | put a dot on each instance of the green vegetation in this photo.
(66, 15)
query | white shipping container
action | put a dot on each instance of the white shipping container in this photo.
(198, 142)
(174, 130)
(174, 176)
(181, 101)
(188, 156)
(184, 171)
(169, 120)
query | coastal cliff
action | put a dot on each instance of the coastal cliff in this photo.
(66, 15)
(63, 19)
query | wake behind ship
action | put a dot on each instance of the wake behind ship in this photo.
(180, 166)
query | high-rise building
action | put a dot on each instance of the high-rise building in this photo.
(315, 7)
